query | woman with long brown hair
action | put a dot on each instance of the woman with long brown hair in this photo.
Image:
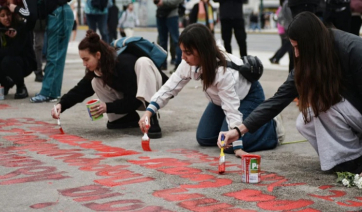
(232, 97)
(123, 83)
(327, 78)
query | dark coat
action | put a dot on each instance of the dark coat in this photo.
(231, 9)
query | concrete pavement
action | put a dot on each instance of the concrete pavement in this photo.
(91, 168)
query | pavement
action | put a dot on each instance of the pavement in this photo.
(90, 168)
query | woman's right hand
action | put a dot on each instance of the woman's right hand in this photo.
(231, 136)
(55, 112)
(142, 122)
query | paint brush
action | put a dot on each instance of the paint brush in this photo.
(60, 126)
(222, 156)
(145, 138)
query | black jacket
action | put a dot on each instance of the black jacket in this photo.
(349, 48)
(125, 81)
(113, 17)
(231, 9)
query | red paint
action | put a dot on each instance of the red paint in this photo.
(159, 163)
(330, 197)
(61, 130)
(4, 106)
(146, 145)
(205, 204)
(325, 187)
(250, 195)
(198, 177)
(280, 205)
(131, 204)
(114, 181)
(210, 184)
(43, 205)
(351, 203)
(173, 194)
(306, 210)
(280, 182)
(182, 170)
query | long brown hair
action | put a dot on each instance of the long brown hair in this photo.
(93, 44)
(198, 37)
(318, 72)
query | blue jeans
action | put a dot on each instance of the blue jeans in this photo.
(99, 21)
(213, 121)
(59, 27)
(165, 26)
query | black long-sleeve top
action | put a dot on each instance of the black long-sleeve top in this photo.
(349, 48)
(124, 80)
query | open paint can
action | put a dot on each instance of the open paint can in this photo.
(90, 104)
(250, 168)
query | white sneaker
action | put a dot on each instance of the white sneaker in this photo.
(279, 128)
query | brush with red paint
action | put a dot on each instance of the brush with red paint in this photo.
(145, 138)
(60, 126)
(222, 156)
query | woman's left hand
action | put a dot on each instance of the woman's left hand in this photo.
(12, 7)
(99, 109)
(11, 32)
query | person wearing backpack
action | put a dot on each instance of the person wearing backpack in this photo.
(128, 21)
(96, 12)
(123, 83)
(232, 97)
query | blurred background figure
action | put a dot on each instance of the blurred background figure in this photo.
(338, 14)
(232, 18)
(112, 21)
(97, 18)
(254, 22)
(39, 33)
(203, 13)
(283, 37)
(356, 9)
(76, 22)
(128, 21)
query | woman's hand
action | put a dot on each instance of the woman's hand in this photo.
(142, 122)
(98, 110)
(12, 7)
(55, 112)
(11, 32)
(230, 137)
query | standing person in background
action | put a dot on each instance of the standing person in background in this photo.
(254, 23)
(167, 22)
(231, 17)
(75, 25)
(283, 37)
(356, 21)
(203, 13)
(298, 6)
(112, 22)
(97, 17)
(39, 32)
(338, 14)
(128, 21)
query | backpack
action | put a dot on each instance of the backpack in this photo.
(99, 4)
(141, 47)
(252, 69)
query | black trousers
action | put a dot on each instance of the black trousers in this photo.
(14, 67)
(340, 19)
(356, 22)
(283, 48)
(227, 26)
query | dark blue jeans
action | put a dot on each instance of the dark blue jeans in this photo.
(165, 26)
(99, 21)
(213, 121)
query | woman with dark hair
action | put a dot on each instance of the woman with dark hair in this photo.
(123, 83)
(17, 57)
(327, 78)
(231, 96)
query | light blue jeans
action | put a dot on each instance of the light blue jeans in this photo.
(59, 28)
(213, 121)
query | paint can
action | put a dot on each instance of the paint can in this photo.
(90, 104)
(2, 97)
(250, 168)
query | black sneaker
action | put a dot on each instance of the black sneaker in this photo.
(128, 121)
(9, 83)
(21, 92)
(155, 129)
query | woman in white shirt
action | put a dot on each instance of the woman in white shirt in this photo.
(231, 96)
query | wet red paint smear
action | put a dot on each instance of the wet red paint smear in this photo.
(325, 187)
(43, 205)
(4, 106)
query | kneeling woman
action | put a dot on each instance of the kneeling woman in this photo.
(231, 96)
(123, 83)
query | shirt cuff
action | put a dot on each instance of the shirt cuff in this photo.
(238, 144)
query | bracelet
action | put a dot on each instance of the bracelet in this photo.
(238, 130)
